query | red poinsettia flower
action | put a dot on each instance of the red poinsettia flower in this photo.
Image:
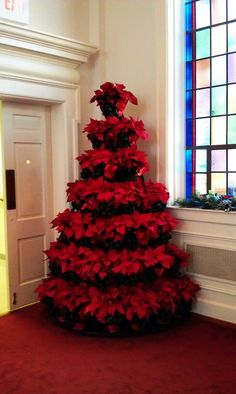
(130, 301)
(112, 261)
(113, 162)
(113, 328)
(88, 194)
(180, 255)
(115, 95)
(110, 132)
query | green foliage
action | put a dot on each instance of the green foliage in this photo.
(208, 201)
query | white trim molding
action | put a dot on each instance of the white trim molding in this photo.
(32, 55)
(37, 67)
(216, 298)
(35, 41)
(40, 67)
(204, 215)
(175, 103)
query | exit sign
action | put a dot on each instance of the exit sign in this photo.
(15, 11)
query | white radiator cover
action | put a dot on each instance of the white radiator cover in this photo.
(212, 261)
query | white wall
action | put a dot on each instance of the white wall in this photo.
(130, 35)
(67, 18)
(131, 40)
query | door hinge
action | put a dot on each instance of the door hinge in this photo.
(14, 299)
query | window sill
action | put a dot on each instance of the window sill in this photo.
(203, 215)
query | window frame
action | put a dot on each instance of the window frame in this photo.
(175, 120)
(175, 98)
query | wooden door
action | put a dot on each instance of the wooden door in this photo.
(27, 150)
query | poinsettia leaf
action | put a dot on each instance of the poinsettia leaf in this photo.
(129, 314)
(141, 312)
(136, 267)
(102, 274)
(97, 267)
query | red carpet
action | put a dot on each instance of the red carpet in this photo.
(38, 356)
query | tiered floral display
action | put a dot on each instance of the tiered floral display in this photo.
(112, 268)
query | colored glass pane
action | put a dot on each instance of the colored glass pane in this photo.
(232, 129)
(218, 11)
(201, 183)
(201, 160)
(218, 183)
(188, 185)
(202, 43)
(203, 131)
(218, 130)
(232, 99)
(189, 132)
(188, 16)
(232, 67)
(218, 100)
(189, 75)
(231, 9)
(189, 46)
(218, 69)
(203, 73)
(189, 104)
(218, 40)
(232, 37)
(189, 167)
(202, 13)
(232, 184)
(202, 103)
(232, 160)
(218, 160)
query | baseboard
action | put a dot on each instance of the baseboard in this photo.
(24, 306)
(223, 323)
(217, 298)
(4, 313)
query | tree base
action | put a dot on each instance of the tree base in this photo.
(91, 327)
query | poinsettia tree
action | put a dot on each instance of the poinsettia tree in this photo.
(112, 267)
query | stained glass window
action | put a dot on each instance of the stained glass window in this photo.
(210, 96)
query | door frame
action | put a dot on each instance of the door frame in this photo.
(12, 223)
(41, 68)
(64, 144)
(63, 170)
(64, 141)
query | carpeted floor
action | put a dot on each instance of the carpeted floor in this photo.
(39, 356)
